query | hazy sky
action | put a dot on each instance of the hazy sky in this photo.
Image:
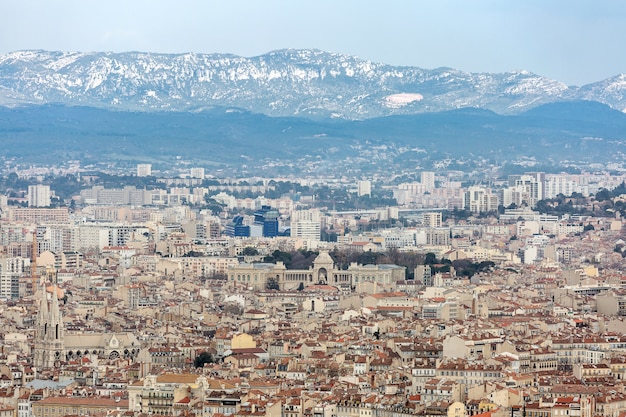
(574, 41)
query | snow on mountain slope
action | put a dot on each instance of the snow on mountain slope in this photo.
(279, 83)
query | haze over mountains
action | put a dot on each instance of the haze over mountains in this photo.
(293, 104)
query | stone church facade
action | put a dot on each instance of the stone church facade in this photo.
(53, 346)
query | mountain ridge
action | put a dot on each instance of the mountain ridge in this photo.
(572, 134)
(290, 82)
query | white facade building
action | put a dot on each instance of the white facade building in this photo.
(144, 170)
(10, 271)
(197, 173)
(364, 188)
(428, 180)
(478, 200)
(306, 224)
(39, 196)
(432, 219)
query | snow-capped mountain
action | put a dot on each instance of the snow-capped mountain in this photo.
(611, 91)
(279, 83)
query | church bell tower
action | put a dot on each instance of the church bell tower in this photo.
(49, 345)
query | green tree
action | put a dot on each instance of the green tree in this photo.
(276, 256)
(440, 268)
(272, 284)
(211, 204)
(302, 259)
(193, 254)
(203, 358)
(619, 190)
(65, 186)
(467, 268)
(430, 259)
(603, 195)
(249, 251)
(368, 258)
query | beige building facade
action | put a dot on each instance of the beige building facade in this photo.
(362, 278)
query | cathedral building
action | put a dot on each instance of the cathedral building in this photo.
(54, 347)
(49, 332)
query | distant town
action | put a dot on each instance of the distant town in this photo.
(147, 291)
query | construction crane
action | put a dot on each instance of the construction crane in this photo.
(33, 262)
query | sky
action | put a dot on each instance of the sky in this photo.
(573, 41)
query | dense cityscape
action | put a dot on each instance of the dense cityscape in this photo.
(428, 293)
(312, 208)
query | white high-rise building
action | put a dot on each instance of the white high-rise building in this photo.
(364, 188)
(144, 170)
(432, 219)
(306, 224)
(10, 271)
(197, 173)
(561, 184)
(530, 187)
(39, 196)
(479, 200)
(428, 180)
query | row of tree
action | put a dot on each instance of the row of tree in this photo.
(303, 259)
